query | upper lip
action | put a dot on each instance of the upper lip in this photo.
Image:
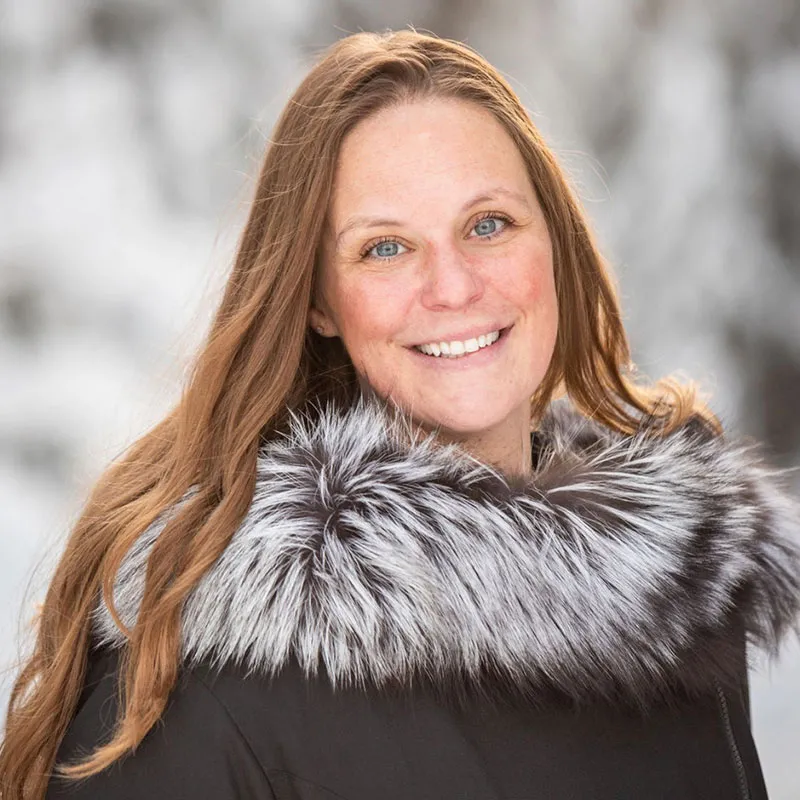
(461, 336)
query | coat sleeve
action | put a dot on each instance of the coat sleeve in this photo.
(196, 751)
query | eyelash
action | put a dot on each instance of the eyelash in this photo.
(486, 215)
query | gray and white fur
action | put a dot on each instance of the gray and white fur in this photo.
(618, 570)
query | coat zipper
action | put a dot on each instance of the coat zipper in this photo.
(737, 757)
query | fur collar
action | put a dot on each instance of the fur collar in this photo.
(619, 570)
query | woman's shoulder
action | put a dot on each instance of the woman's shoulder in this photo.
(196, 750)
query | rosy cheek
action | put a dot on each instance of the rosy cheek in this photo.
(373, 307)
(540, 280)
(527, 276)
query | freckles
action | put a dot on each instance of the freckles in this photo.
(528, 279)
(373, 307)
(540, 280)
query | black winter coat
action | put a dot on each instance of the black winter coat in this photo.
(398, 621)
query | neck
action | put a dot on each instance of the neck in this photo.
(506, 447)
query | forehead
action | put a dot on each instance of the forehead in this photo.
(434, 148)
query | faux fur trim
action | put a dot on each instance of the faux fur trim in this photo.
(620, 569)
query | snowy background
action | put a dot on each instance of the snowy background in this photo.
(130, 133)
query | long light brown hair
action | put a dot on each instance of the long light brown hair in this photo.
(260, 359)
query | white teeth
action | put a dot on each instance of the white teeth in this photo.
(458, 349)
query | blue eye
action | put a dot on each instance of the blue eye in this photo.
(488, 226)
(384, 250)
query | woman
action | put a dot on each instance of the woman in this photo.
(413, 530)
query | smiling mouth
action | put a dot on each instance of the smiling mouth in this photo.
(461, 349)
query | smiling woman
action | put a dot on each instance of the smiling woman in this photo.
(456, 249)
(414, 528)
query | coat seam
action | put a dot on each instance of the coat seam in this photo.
(730, 738)
(236, 727)
(310, 783)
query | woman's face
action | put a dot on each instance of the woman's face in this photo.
(435, 242)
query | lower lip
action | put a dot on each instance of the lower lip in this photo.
(480, 357)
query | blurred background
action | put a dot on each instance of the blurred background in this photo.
(130, 136)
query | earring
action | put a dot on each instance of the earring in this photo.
(319, 329)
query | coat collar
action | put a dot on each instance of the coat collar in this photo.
(616, 571)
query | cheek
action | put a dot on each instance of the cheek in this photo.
(529, 281)
(371, 310)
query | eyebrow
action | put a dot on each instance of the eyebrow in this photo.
(483, 197)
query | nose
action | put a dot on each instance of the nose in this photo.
(451, 281)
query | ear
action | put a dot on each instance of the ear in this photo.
(322, 322)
